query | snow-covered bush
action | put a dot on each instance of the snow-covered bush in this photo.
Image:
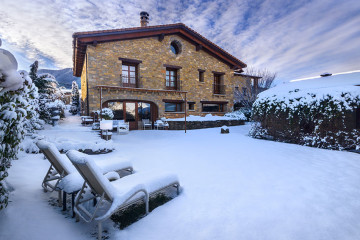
(238, 115)
(320, 117)
(107, 114)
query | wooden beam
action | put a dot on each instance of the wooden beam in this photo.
(161, 37)
(220, 73)
(129, 60)
(139, 89)
(172, 66)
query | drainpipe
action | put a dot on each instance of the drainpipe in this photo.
(100, 103)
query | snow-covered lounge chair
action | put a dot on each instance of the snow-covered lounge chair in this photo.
(61, 166)
(65, 175)
(119, 193)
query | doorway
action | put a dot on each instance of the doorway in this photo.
(133, 111)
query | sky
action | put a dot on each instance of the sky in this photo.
(293, 38)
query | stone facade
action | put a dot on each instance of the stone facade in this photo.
(180, 125)
(103, 67)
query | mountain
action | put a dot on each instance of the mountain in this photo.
(63, 76)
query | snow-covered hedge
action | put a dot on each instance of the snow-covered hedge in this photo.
(209, 117)
(323, 117)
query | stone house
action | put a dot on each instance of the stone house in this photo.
(150, 72)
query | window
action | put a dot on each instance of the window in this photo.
(201, 75)
(219, 88)
(191, 106)
(117, 108)
(171, 78)
(128, 77)
(173, 107)
(212, 107)
(175, 47)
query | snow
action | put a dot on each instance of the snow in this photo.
(8, 71)
(321, 86)
(210, 117)
(233, 187)
(120, 190)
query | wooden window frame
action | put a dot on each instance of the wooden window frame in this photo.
(217, 83)
(201, 75)
(168, 79)
(129, 83)
(191, 106)
(221, 107)
(178, 108)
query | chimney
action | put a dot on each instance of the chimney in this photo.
(144, 19)
(326, 74)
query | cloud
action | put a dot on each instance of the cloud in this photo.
(293, 38)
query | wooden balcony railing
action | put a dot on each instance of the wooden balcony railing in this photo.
(219, 89)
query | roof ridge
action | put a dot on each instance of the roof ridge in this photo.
(126, 29)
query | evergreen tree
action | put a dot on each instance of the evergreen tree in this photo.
(48, 92)
(13, 112)
(75, 106)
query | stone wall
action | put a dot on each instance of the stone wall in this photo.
(104, 68)
(180, 125)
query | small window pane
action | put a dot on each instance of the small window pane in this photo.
(212, 107)
(174, 48)
(132, 68)
(191, 106)
(201, 76)
(170, 107)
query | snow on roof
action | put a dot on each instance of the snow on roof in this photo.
(321, 86)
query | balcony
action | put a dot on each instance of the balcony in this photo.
(129, 81)
(219, 89)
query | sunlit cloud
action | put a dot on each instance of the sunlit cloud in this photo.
(296, 39)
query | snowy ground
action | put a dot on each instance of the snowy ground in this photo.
(234, 187)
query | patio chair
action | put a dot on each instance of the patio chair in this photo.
(146, 123)
(119, 193)
(67, 179)
(159, 124)
(123, 127)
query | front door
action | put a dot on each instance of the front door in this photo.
(131, 115)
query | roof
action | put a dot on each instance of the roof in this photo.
(330, 85)
(246, 75)
(82, 39)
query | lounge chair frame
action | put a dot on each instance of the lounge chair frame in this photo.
(57, 172)
(100, 194)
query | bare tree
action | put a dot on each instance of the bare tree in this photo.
(256, 81)
(267, 77)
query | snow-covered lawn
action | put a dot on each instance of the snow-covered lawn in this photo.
(233, 187)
